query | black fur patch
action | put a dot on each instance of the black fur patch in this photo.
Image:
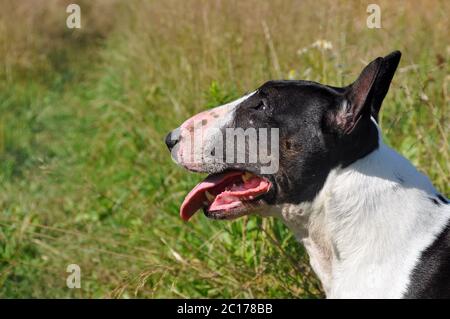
(431, 276)
(311, 144)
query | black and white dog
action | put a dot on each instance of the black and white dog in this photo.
(374, 227)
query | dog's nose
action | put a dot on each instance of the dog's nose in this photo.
(171, 140)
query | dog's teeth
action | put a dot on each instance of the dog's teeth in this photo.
(209, 196)
(246, 176)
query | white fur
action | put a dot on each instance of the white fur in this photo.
(365, 230)
(230, 109)
(205, 136)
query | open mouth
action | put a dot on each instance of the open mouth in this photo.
(226, 195)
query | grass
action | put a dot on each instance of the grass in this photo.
(85, 177)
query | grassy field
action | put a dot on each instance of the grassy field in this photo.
(84, 174)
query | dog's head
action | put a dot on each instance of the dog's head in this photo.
(278, 144)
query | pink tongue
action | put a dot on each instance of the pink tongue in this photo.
(227, 199)
(231, 198)
(194, 200)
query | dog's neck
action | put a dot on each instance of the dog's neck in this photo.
(367, 227)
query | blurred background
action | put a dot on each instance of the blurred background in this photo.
(85, 177)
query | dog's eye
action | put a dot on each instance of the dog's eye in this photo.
(261, 106)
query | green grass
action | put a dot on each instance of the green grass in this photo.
(85, 177)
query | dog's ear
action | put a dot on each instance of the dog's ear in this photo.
(383, 81)
(363, 97)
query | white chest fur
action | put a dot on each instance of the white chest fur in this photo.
(366, 229)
